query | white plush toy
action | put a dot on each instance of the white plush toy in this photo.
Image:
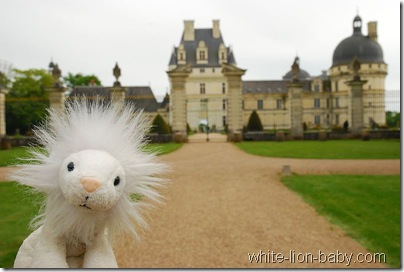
(92, 164)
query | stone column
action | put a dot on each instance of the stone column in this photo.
(3, 93)
(117, 92)
(356, 93)
(57, 98)
(233, 75)
(57, 91)
(178, 102)
(295, 90)
(356, 100)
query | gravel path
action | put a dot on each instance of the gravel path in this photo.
(223, 204)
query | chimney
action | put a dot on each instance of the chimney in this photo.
(372, 31)
(216, 29)
(189, 31)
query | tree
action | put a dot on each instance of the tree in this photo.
(79, 79)
(27, 100)
(6, 74)
(254, 123)
(159, 126)
(393, 119)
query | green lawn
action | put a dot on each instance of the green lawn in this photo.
(163, 148)
(17, 209)
(366, 207)
(10, 157)
(332, 149)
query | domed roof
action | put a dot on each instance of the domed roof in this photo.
(302, 75)
(357, 45)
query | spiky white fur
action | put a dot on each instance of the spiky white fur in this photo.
(104, 141)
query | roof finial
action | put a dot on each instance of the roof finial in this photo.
(117, 73)
(51, 65)
(357, 11)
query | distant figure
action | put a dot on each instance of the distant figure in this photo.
(373, 123)
(346, 125)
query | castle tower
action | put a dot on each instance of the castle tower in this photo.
(205, 86)
(373, 70)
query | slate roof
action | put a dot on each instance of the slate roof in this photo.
(91, 91)
(264, 86)
(141, 96)
(359, 46)
(166, 101)
(269, 86)
(203, 34)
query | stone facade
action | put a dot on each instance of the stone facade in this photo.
(207, 88)
(212, 89)
(323, 101)
(178, 117)
(371, 68)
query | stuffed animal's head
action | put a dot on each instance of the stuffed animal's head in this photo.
(90, 162)
(92, 180)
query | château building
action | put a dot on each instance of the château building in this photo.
(207, 87)
(326, 99)
(206, 91)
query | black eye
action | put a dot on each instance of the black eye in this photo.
(116, 181)
(70, 166)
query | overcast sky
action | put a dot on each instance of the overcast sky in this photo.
(89, 36)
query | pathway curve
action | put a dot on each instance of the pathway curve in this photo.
(223, 204)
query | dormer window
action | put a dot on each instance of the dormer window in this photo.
(222, 53)
(202, 53)
(181, 54)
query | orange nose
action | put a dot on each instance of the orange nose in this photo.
(90, 184)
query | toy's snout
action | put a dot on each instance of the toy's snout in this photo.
(90, 184)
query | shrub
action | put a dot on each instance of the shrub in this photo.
(337, 128)
(393, 119)
(159, 126)
(254, 123)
